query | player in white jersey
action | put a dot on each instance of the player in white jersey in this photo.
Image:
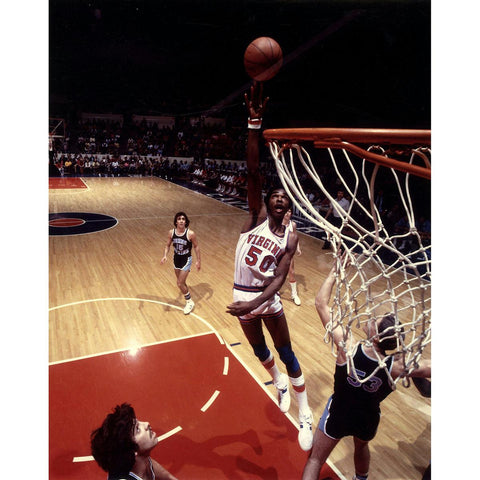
(263, 255)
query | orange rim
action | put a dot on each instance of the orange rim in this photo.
(341, 138)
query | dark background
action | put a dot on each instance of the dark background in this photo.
(346, 63)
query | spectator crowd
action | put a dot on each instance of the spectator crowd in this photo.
(209, 156)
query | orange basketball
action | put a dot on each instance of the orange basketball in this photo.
(263, 59)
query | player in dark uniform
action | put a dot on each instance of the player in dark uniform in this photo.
(122, 446)
(182, 249)
(183, 239)
(354, 407)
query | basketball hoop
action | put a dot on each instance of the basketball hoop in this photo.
(383, 276)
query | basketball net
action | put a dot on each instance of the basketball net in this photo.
(379, 275)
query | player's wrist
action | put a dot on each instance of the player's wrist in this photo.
(254, 123)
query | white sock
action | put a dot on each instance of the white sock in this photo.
(301, 394)
(273, 370)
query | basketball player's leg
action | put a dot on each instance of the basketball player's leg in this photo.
(291, 272)
(321, 449)
(182, 280)
(253, 331)
(182, 275)
(361, 458)
(278, 329)
(364, 429)
(293, 284)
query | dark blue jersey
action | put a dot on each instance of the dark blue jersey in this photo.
(131, 475)
(362, 396)
(127, 476)
(182, 248)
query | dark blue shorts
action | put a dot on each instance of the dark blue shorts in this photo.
(182, 262)
(341, 420)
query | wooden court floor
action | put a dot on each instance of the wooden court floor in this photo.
(124, 263)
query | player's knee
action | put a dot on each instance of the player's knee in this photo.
(287, 356)
(360, 444)
(261, 351)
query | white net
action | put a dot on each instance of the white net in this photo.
(388, 249)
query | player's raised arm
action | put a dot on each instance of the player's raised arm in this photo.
(322, 300)
(256, 107)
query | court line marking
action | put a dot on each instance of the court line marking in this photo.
(136, 299)
(212, 331)
(226, 364)
(87, 221)
(288, 415)
(169, 434)
(216, 393)
(88, 458)
(130, 348)
(70, 190)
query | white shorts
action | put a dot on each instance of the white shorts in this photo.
(271, 308)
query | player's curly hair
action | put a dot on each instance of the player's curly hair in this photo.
(112, 444)
(181, 214)
(387, 339)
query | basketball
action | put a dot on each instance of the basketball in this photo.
(263, 59)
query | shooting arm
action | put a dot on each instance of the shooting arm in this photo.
(256, 107)
(254, 181)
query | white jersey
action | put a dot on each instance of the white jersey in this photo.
(343, 202)
(257, 256)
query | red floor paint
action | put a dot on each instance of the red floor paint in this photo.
(66, 182)
(242, 435)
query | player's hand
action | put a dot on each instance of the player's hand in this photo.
(345, 262)
(237, 309)
(255, 104)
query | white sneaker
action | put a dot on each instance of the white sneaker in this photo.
(296, 300)
(283, 393)
(188, 307)
(305, 435)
